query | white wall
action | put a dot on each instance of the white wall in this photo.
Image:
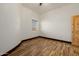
(26, 23)
(9, 27)
(57, 23)
(15, 25)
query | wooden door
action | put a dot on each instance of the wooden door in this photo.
(75, 40)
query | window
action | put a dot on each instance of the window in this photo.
(34, 25)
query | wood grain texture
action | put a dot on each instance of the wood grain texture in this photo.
(45, 47)
(75, 40)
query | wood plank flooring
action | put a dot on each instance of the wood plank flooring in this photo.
(45, 47)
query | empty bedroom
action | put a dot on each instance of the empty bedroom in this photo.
(39, 29)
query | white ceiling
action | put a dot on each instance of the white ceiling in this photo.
(45, 6)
